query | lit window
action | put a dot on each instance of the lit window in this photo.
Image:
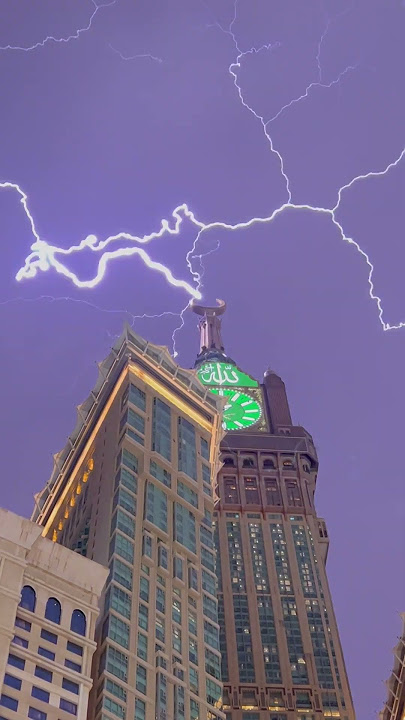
(53, 610)
(231, 494)
(28, 598)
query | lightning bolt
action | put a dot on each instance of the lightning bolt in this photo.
(135, 57)
(44, 256)
(51, 38)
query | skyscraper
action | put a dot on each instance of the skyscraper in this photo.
(134, 489)
(281, 654)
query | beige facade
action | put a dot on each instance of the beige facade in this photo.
(395, 706)
(134, 489)
(48, 609)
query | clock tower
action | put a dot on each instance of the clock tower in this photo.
(281, 654)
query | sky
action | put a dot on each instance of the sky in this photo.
(276, 128)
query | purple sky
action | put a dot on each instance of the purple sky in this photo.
(103, 145)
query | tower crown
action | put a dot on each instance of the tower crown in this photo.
(211, 345)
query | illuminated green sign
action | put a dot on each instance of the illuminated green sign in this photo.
(222, 374)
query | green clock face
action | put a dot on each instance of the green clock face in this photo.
(241, 410)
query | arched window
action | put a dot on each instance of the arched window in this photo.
(28, 598)
(78, 622)
(248, 462)
(288, 464)
(53, 610)
(268, 463)
(229, 461)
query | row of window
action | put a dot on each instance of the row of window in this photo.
(267, 463)
(53, 610)
(270, 491)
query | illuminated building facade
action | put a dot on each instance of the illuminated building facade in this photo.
(133, 489)
(395, 706)
(49, 604)
(281, 654)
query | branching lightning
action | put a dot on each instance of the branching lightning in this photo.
(52, 39)
(44, 256)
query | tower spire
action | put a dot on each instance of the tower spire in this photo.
(211, 345)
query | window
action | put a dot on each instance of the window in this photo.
(251, 491)
(12, 681)
(118, 600)
(71, 686)
(156, 506)
(53, 610)
(67, 706)
(125, 500)
(115, 689)
(73, 648)
(124, 477)
(193, 578)
(46, 653)
(273, 496)
(176, 611)
(176, 638)
(121, 573)
(184, 530)
(193, 677)
(16, 661)
(193, 651)
(229, 461)
(207, 559)
(128, 459)
(209, 582)
(117, 664)
(159, 630)
(73, 666)
(213, 692)
(123, 547)
(161, 428)
(185, 492)
(248, 462)
(28, 598)
(118, 630)
(231, 494)
(40, 694)
(23, 624)
(178, 567)
(192, 622)
(8, 702)
(147, 545)
(293, 494)
(160, 600)
(187, 457)
(43, 673)
(123, 522)
(140, 679)
(142, 650)
(163, 559)
(144, 589)
(78, 622)
(140, 709)
(288, 464)
(22, 642)
(210, 608)
(143, 616)
(269, 464)
(137, 397)
(35, 714)
(160, 473)
(212, 664)
(211, 636)
(50, 637)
